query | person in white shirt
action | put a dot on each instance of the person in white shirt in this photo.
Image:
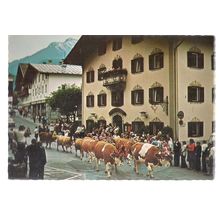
(204, 146)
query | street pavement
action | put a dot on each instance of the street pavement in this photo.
(66, 166)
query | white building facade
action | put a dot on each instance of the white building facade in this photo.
(153, 81)
(36, 82)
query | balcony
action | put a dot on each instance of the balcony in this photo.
(115, 79)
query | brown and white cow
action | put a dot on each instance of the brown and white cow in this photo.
(64, 141)
(150, 155)
(109, 154)
(124, 146)
(88, 145)
(47, 137)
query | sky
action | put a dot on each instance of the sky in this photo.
(24, 45)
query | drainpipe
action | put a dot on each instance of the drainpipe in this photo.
(176, 133)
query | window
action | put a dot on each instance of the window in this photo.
(90, 76)
(90, 101)
(195, 129)
(137, 65)
(136, 39)
(117, 43)
(156, 95)
(101, 71)
(42, 89)
(45, 88)
(213, 95)
(33, 92)
(42, 76)
(195, 94)
(102, 48)
(46, 76)
(213, 62)
(137, 127)
(195, 60)
(102, 100)
(155, 127)
(213, 126)
(117, 98)
(137, 97)
(156, 61)
(117, 63)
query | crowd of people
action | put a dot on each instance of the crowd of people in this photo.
(192, 155)
(195, 155)
(24, 154)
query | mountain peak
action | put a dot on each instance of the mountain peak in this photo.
(56, 51)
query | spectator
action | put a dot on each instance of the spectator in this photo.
(27, 135)
(41, 161)
(177, 151)
(183, 155)
(36, 132)
(37, 160)
(191, 154)
(204, 147)
(32, 155)
(210, 156)
(198, 150)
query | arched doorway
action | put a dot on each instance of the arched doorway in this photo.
(117, 121)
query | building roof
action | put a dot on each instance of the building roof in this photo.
(84, 46)
(88, 43)
(58, 69)
(23, 67)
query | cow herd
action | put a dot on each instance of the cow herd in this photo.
(112, 154)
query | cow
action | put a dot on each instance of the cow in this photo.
(88, 145)
(47, 137)
(64, 141)
(150, 155)
(109, 154)
(124, 147)
(78, 146)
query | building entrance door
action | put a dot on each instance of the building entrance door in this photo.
(117, 121)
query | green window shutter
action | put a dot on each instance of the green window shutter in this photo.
(151, 96)
(200, 129)
(161, 60)
(151, 62)
(201, 60)
(133, 66)
(160, 93)
(142, 64)
(104, 98)
(201, 94)
(142, 96)
(87, 101)
(132, 97)
(99, 101)
(93, 76)
(190, 59)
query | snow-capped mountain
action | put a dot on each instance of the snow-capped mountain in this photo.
(55, 52)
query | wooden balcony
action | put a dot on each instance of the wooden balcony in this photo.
(115, 79)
